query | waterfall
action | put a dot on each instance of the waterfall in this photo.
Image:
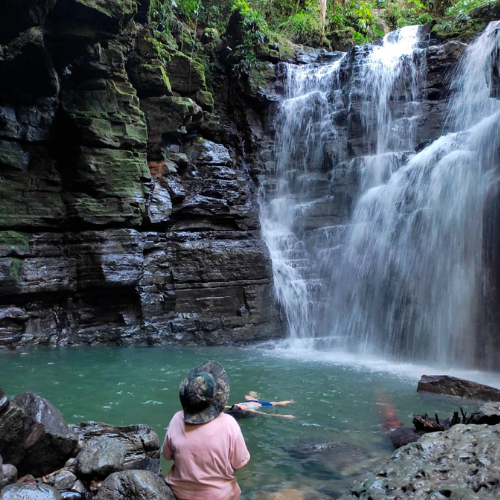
(397, 273)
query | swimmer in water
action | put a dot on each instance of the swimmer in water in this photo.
(252, 405)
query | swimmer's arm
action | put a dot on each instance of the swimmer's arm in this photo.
(269, 414)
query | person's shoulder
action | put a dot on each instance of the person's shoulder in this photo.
(229, 422)
(178, 417)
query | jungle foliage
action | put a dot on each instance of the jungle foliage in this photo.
(347, 22)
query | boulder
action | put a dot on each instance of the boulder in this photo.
(489, 413)
(9, 475)
(141, 443)
(452, 386)
(462, 463)
(100, 457)
(55, 445)
(29, 491)
(403, 436)
(135, 485)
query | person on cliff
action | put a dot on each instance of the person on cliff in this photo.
(252, 405)
(206, 445)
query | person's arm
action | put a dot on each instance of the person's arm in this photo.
(270, 414)
(238, 453)
(166, 450)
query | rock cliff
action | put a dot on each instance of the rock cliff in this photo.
(120, 221)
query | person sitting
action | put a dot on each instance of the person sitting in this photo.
(206, 445)
(251, 407)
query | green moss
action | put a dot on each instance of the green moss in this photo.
(14, 243)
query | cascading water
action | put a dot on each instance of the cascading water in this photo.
(403, 276)
(304, 123)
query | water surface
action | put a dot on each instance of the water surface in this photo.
(334, 401)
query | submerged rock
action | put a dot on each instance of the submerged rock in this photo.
(452, 386)
(462, 463)
(135, 485)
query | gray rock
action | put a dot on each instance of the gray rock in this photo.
(141, 443)
(134, 485)
(452, 386)
(100, 457)
(462, 463)
(55, 445)
(29, 491)
(403, 436)
(489, 413)
(64, 480)
(9, 475)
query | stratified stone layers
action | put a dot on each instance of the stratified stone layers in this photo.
(97, 245)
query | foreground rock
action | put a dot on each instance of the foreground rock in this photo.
(489, 414)
(452, 386)
(34, 436)
(462, 463)
(32, 491)
(135, 485)
(122, 448)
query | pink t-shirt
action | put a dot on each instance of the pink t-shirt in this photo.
(205, 458)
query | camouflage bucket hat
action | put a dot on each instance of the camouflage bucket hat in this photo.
(204, 393)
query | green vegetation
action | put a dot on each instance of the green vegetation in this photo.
(264, 23)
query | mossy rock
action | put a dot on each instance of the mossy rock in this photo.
(13, 243)
(108, 186)
(205, 99)
(31, 197)
(342, 39)
(106, 114)
(465, 27)
(186, 75)
(260, 76)
(150, 79)
(174, 116)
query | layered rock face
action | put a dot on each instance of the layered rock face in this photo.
(119, 221)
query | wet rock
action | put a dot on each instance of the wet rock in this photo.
(135, 485)
(9, 475)
(64, 480)
(403, 436)
(55, 445)
(489, 413)
(139, 442)
(29, 491)
(495, 74)
(173, 116)
(100, 457)
(452, 386)
(461, 463)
